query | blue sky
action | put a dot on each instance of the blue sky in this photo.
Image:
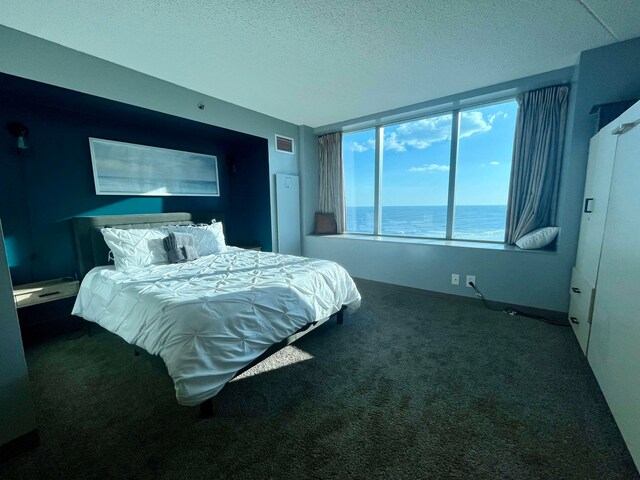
(416, 160)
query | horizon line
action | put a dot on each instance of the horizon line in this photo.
(459, 205)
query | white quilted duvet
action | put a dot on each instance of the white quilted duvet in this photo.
(209, 318)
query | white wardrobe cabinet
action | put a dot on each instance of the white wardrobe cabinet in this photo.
(580, 307)
(613, 263)
(594, 213)
(17, 420)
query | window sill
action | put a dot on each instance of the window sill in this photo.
(439, 243)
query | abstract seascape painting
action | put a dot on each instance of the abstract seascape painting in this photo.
(126, 169)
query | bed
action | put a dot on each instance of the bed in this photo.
(211, 318)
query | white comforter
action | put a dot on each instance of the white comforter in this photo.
(209, 318)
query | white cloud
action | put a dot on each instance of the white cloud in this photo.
(493, 164)
(430, 167)
(472, 123)
(421, 134)
(499, 114)
(433, 124)
(363, 147)
(419, 144)
(391, 142)
(358, 147)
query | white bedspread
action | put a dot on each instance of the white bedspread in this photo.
(209, 318)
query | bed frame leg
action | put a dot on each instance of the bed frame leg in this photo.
(340, 315)
(206, 409)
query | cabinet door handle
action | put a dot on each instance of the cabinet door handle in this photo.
(588, 205)
(574, 320)
(575, 290)
(625, 127)
(48, 294)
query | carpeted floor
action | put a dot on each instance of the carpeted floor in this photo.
(411, 386)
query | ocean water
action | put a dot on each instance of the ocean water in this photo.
(159, 186)
(471, 222)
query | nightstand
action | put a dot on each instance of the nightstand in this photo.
(44, 308)
(42, 292)
(251, 247)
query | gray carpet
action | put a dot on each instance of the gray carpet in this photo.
(411, 386)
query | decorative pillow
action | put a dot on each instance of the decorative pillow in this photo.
(209, 239)
(539, 238)
(135, 248)
(326, 224)
(180, 247)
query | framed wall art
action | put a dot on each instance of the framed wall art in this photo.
(127, 169)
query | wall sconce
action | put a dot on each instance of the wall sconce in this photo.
(21, 133)
(231, 164)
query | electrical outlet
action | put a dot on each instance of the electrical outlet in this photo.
(455, 279)
(471, 278)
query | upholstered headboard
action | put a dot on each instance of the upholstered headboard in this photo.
(92, 251)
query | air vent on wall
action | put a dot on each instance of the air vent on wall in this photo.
(284, 144)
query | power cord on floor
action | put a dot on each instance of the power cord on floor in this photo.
(513, 312)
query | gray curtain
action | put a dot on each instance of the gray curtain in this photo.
(537, 158)
(332, 177)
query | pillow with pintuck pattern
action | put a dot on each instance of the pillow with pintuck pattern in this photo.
(135, 248)
(539, 238)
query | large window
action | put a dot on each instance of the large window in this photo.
(359, 159)
(415, 177)
(445, 176)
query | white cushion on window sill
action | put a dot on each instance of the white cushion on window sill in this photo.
(539, 238)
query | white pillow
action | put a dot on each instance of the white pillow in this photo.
(135, 248)
(209, 238)
(539, 238)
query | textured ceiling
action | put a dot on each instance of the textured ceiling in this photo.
(316, 62)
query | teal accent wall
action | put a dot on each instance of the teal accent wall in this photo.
(250, 220)
(41, 192)
(33, 58)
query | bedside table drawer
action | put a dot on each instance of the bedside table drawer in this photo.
(47, 291)
(251, 247)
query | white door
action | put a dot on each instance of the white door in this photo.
(288, 213)
(594, 204)
(16, 408)
(614, 346)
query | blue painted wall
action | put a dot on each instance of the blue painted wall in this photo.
(520, 278)
(603, 75)
(41, 192)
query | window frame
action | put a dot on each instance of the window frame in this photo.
(453, 164)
